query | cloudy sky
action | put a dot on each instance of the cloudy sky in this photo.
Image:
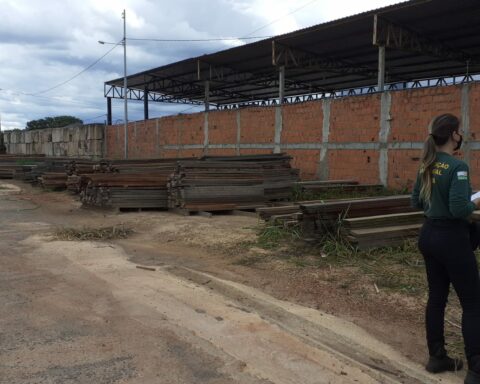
(43, 44)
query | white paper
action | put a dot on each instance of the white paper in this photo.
(475, 196)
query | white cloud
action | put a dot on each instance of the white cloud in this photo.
(45, 43)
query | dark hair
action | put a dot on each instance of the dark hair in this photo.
(441, 129)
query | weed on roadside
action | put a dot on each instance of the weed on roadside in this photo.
(93, 234)
(274, 236)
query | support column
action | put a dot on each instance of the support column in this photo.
(281, 84)
(278, 129)
(109, 111)
(465, 118)
(239, 130)
(205, 133)
(323, 170)
(381, 68)
(207, 96)
(383, 135)
(157, 138)
(145, 104)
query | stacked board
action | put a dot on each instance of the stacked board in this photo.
(233, 182)
(384, 230)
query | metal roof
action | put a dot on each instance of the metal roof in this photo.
(423, 39)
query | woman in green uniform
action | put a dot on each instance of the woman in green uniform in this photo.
(443, 191)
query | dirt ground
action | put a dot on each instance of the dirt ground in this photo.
(83, 312)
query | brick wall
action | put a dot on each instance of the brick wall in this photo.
(369, 138)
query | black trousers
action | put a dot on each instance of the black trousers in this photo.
(447, 249)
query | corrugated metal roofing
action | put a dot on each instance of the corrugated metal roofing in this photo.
(246, 73)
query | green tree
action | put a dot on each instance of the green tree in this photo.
(52, 122)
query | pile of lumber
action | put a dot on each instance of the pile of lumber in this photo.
(364, 222)
(53, 180)
(385, 230)
(127, 184)
(232, 182)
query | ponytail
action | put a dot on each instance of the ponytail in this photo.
(428, 158)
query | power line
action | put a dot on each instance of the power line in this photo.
(79, 73)
(96, 117)
(281, 17)
(202, 40)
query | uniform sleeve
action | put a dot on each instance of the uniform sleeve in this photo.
(416, 201)
(459, 203)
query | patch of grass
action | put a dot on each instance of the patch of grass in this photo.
(26, 162)
(274, 236)
(299, 194)
(93, 234)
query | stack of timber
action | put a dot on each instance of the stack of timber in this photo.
(380, 231)
(364, 223)
(133, 184)
(53, 180)
(324, 216)
(17, 167)
(231, 182)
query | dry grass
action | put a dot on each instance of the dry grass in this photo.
(93, 234)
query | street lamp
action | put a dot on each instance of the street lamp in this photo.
(124, 43)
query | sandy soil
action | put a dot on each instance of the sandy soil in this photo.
(81, 312)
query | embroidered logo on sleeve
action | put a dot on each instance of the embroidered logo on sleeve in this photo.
(462, 175)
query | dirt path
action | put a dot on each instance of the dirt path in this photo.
(81, 312)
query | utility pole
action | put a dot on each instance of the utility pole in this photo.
(124, 16)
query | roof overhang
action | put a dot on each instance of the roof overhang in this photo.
(423, 39)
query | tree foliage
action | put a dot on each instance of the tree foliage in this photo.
(52, 122)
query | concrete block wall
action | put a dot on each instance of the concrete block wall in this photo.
(79, 141)
(375, 138)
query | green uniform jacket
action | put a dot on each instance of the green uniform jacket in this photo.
(451, 190)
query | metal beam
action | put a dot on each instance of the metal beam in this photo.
(229, 76)
(145, 104)
(116, 92)
(109, 111)
(392, 35)
(301, 59)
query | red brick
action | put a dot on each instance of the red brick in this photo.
(355, 119)
(302, 123)
(257, 125)
(412, 111)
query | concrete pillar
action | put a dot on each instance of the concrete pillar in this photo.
(383, 136)
(157, 138)
(381, 68)
(323, 171)
(278, 129)
(281, 84)
(465, 118)
(239, 131)
(205, 132)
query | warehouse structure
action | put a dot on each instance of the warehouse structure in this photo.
(348, 98)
